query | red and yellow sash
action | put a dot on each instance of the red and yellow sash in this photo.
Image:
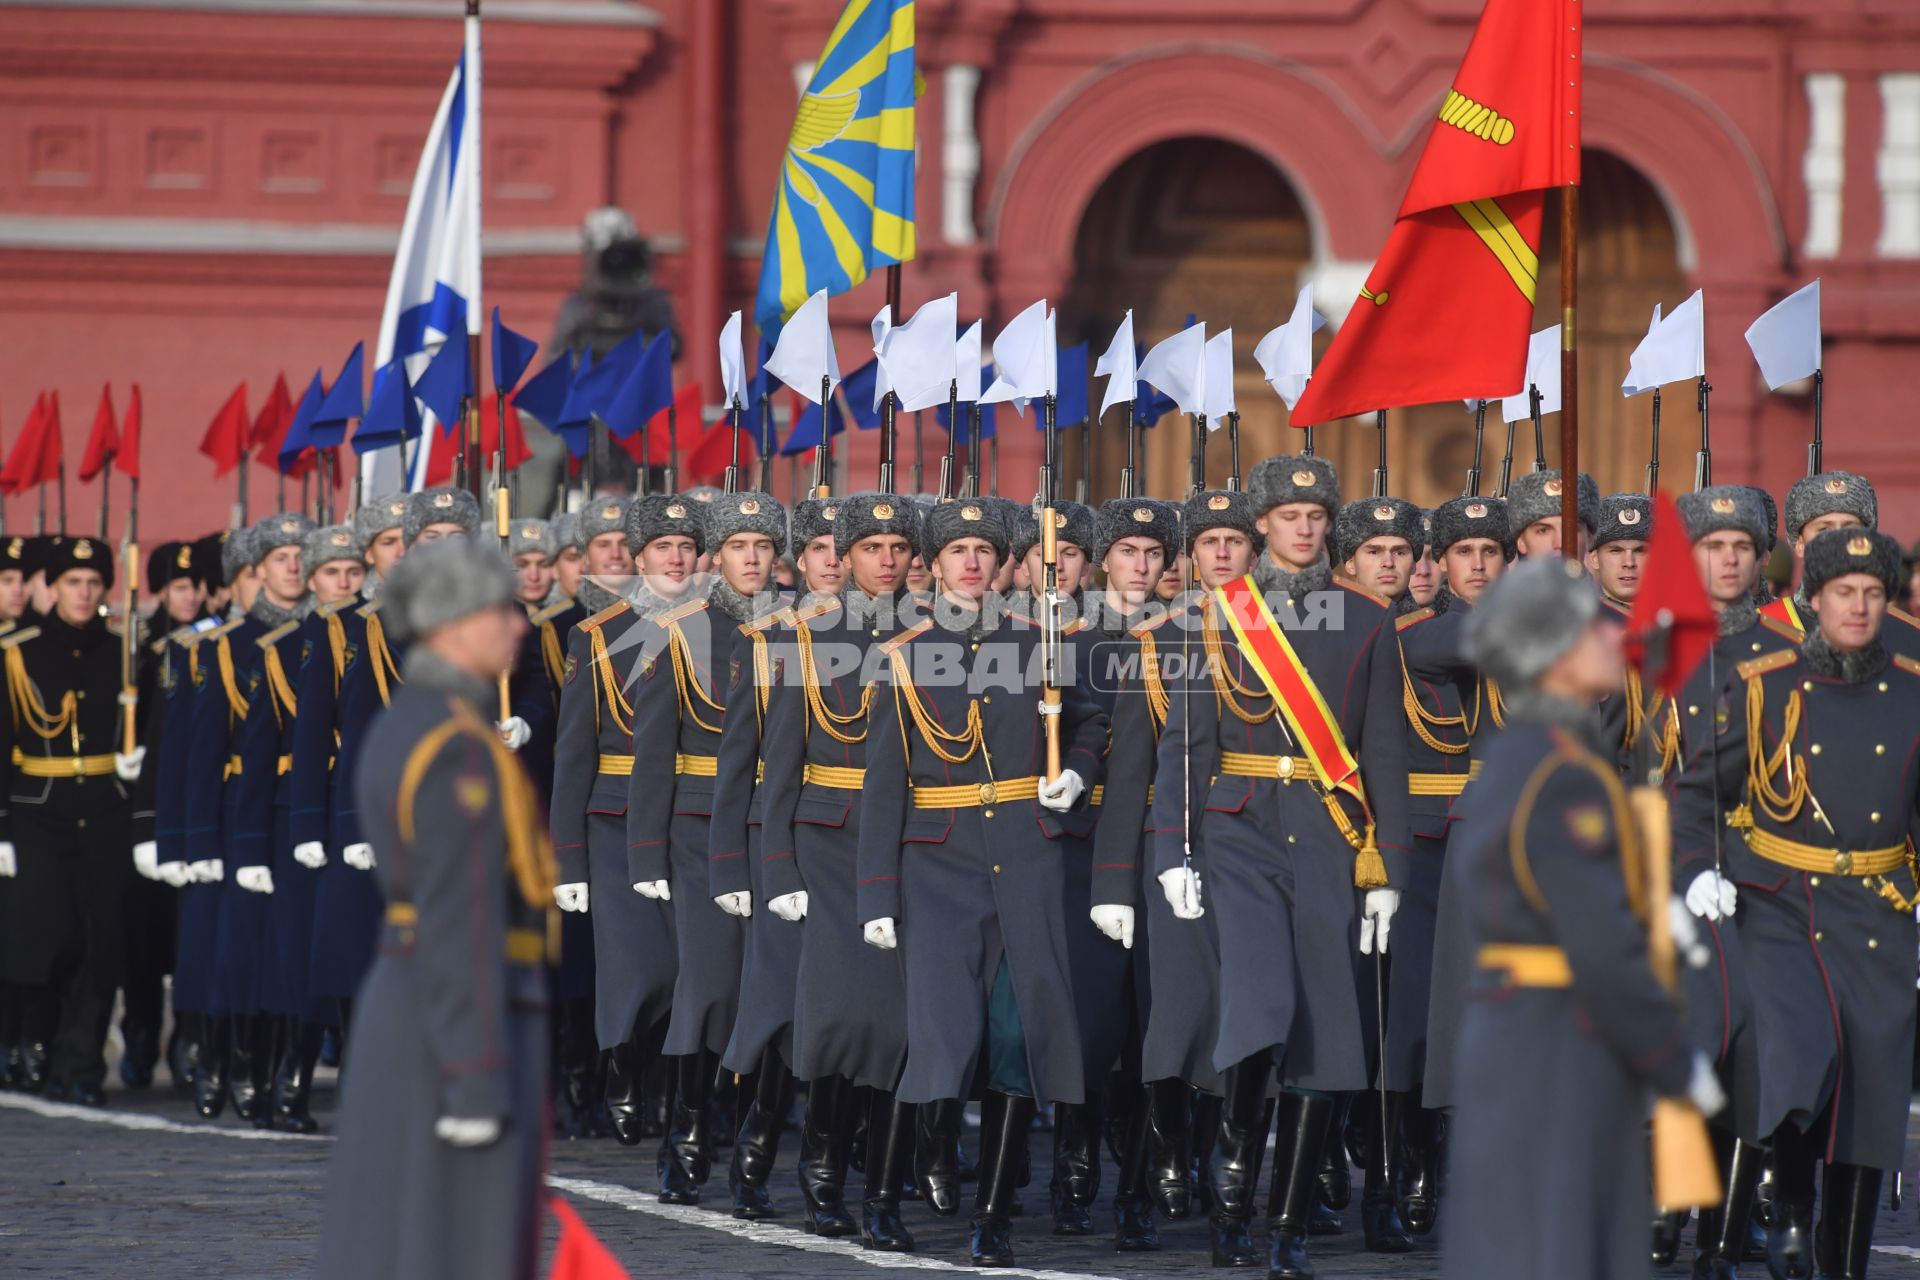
(1781, 609)
(1263, 642)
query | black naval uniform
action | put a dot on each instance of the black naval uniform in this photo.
(452, 1020)
(67, 816)
(1565, 1005)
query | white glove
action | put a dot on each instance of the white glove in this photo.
(735, 904)
(458, 1132)
(1115, 921)
(1703, 1087)
(127, 767)
(658, 890)
(254, 879)
(1182, 887)
(9, 865)
(514, 732)
(358, 856)
(146, 859)
(1712, 896)
(176, 875)
(1686, 934)
(789, 906)
(879, 933)
(310, 854)
(208, 871)
(1060, 794)
(570, 897)
(1376, 919)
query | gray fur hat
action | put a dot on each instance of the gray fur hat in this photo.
(1772, 516)
(288, 529)
(1536, 496)
(1367, 518)
(388, 511)
(330, 542)
(527, 535)
(234, 552)
(965, 518)
(1528, 619)
(1293, 477)
(563, 531)
(1073, 521)
(1119, 518)
(443, 582)
(1721, 507)
(865, 514)
(1624, 517)
(811, 518)
(1814, 496)
(658, 515)
(607, 514)
(704, 494)
(443, 504)
(748, 512)
(1838, 552)
(1217, 509)
(1458, 519)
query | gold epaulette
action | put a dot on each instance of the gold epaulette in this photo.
(549, 613)
(1359, 590)
(1779, 628)
(279, 633)
(328, 610)
(808, 612)
(1406, 620)
(779, 617)
(893, 646)
(156, 648)
(18, 637)
(680, 612)
(1146, 625)
(607, 614)
(114, 628)
(1075, 627)
(1901, 615)
(368, 609)
(1771, 662)
(1909, 665)
(214, 633)
(8, 625)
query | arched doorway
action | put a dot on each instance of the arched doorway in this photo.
(1190, 225)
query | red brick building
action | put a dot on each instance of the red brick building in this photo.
(196, 192)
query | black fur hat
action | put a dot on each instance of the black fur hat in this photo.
(1471, 517)
(865, 514)
(1820, 495)
(1624, 517)
(658, 515)
(964, 518)
(1119, 518)
(749, 512)
(1293, 477)
(1721, 507)
(1536, 496)
(1217, 509)
(1367, 518)
(1838, 552)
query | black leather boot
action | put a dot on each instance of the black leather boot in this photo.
(1334, 1189)
(1133, 1229)
(890, 1132)
(1762, 1216)
(1205, 1127)
(758, 1143)
(249, 1054)
(1306, 1126)
(141, 1051)
(1790, 1237)
(1076, 1167)
(1241, 1143)
(857, 1136)
(1004, 1121)
(293, 1082)
(1170, 1148)
(1380, 1194)
(11, 1064)
(1420, 1192)
(689, 1143)
(1665, 1235)
(823, 1156)
(210, 1078)
(936, 1164)
(1846, 1221)
(627, 1102)
(32, 1075)
(1720, 1237)
(183, 1050)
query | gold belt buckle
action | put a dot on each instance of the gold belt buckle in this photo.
(989, 793)
(1843, 863)
(1286, 766)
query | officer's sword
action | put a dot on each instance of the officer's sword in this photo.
(1050, 655)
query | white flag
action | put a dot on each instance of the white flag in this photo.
(1631, 384)
(733, 362)
(1786, 340)
(1119, 367)
(1218, 396)
(1286, 354)
(1023, 358)
(804, 352)
(1543, 371)
(1177, 367)
(882, 325)
(1676, 349)
(918, 359)
(966, 361)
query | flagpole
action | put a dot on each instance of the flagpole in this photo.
(953, 433)
(1816, 450)
(1703, 461)
(1539, 431)
(919, 450)
(62, 481)
(1479, 443)
(1128, 472)
(106, 494)
(1380, 464)
(1506, 466)
(470, 454)
(1653, 449)
(1085, 482)
(673, 449)
(823, 452)
(732, 482)
(1233, 442)
(1197, 453)
(889, 404)
(766, 442)
(243, 487)
(1569, 373)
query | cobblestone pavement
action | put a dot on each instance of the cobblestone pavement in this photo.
(145, 1189)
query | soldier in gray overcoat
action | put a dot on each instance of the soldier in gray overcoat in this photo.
(438, 1169)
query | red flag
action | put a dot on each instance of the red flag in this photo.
(15, 476)
(126, 459)
(689, 404)
(103, 440)
(271, 423)
(1672, 598)
(440, 461)
(226, 438)
(1447, 308)
(579, 1255)
(50, 456)
(707, 462)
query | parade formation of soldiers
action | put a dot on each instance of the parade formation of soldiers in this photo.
(1265, 821)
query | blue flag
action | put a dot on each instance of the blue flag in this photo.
(328, 429)
(572, 422)
(596, 382)
(806, 428)
(646, 390)
(392, 415)
(299, 437)
(512, 353)
(857, 387)
(446, 381)
(1070, 399)
(545, 394)
(760, 384)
